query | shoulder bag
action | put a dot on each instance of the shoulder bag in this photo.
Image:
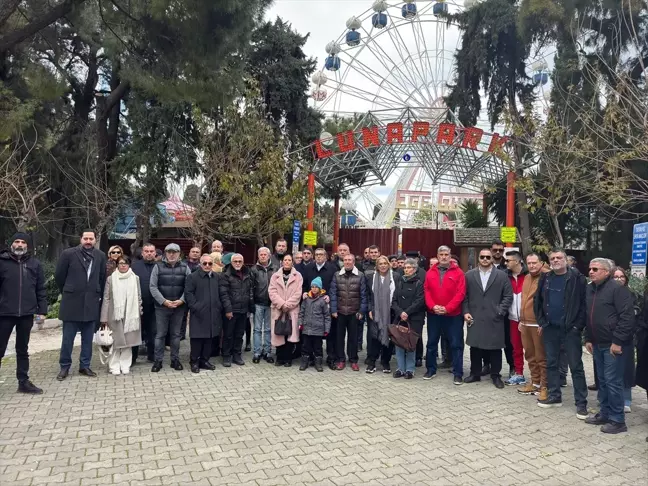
(401, 335)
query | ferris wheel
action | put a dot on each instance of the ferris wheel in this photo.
(393, 60)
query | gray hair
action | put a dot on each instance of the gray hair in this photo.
(206, 255)
(237, 255)
(264, 248)
(412, 262)
(604, 262)
(444, 248)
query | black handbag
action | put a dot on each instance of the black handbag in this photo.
(283, 326)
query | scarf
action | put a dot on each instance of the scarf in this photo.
(383, 292)
(88, 257)
(126, 308)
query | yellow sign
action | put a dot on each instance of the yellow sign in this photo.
(508, 234)
(310, 238)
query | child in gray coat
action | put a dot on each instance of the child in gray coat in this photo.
(315, 324)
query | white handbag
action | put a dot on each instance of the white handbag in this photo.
(103, 336)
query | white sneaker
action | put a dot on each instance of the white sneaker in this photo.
(627, 409)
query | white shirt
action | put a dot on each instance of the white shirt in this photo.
(319, 267)
(484, 277)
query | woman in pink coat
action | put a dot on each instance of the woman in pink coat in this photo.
(285, 292)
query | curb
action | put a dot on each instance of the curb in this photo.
(47, 324)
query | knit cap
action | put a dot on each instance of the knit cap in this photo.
(317, 282)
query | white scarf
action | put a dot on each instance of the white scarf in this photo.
(125, 299)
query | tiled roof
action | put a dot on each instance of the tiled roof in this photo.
(477, 236)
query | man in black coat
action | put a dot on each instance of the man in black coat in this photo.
(143, 269)
(206, 296)
(22, 295)
(81, 276)
(240, 286)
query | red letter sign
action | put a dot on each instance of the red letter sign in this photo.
(472, 136)
(420, 129)
(497, 143)
(370, 137)
(446, 133)
(346, 141)
(394, 133)
(320, 151)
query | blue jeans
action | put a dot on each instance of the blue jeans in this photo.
(610, 372)
(405, 359)
(261, 327)
(554, 337)
(452, 328)
(70, 329)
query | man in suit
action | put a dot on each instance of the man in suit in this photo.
(80, 275)
(488, 297)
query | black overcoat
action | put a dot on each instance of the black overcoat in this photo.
(207, 298)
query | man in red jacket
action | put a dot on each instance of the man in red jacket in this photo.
(445, 289)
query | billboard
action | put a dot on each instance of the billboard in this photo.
(406, 199)
(450, 201)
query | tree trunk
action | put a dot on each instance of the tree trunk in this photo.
(560, 242)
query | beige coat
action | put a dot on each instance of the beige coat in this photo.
(120, 339)
(287, 297)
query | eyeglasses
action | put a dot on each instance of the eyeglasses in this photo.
(206, 264)
(484, 257)
(594, 269)
(497, 250)
(621, 277)
(122, 263)
(115, 252)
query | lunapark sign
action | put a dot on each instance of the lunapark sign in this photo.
(395, 133)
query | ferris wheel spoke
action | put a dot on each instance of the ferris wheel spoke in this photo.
(368, 95)
(378, 84)
(417, 26)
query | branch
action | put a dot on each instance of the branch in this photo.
(35, 26)
(7, 8)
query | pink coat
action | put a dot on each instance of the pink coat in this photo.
(286, 297)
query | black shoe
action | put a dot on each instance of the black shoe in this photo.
(157, 366)
(581, 413)
(176, 365)
(563, 382)
(63, 374)
(238, 360)
(386, 370)
(332, 365)
(398, 374)
(256, 359)
(87, 372)
(371, 368)
(497, 381)
(592, 387)
(318, 364)
(28, 387)
(550, 403)
(596, 420)
(429, 375)
(418, 363)
(227, 361)
(458, 380)
(409, 375)
(614, 428)
(269, 359)
(303, 365)
(279, 363)
(445, 365)
(472, 379)
(288, 364)
(206, 365)
(484, 372)
(248, 347)
(195, 368)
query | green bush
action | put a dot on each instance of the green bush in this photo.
(53, 309)
(50, 284)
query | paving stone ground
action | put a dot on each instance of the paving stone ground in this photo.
(263, 425)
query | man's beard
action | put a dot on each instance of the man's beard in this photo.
(18, 251)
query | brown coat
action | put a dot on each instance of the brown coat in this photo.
(529, 288)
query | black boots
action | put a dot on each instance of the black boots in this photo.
(28, 387)
(318, 364)
(304, 363)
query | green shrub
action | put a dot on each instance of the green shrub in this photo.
(50, 284)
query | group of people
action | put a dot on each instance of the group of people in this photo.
(529, 309)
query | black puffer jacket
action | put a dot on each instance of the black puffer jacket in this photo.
(22, 286)
(409, 298)
(241, 290)
(261, 279)
(610, 314)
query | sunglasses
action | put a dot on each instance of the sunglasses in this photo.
(206, 264)
(496, 250)
(594, 269)
(484, 257)
(115, 252)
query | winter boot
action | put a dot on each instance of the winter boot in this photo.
(318, 364)
(304, 363)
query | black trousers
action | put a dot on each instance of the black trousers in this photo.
(494, 358)
(233, 330)
(148, 334)
(285, 352)
(419, 348)
(23, 327)
(200, 349)
(508, 349)
(347, 324)
(312, 345)
(183, 328)
(375, 349)
(331, 342)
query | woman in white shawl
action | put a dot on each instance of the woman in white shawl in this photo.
(121, 311)
(380, 290)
